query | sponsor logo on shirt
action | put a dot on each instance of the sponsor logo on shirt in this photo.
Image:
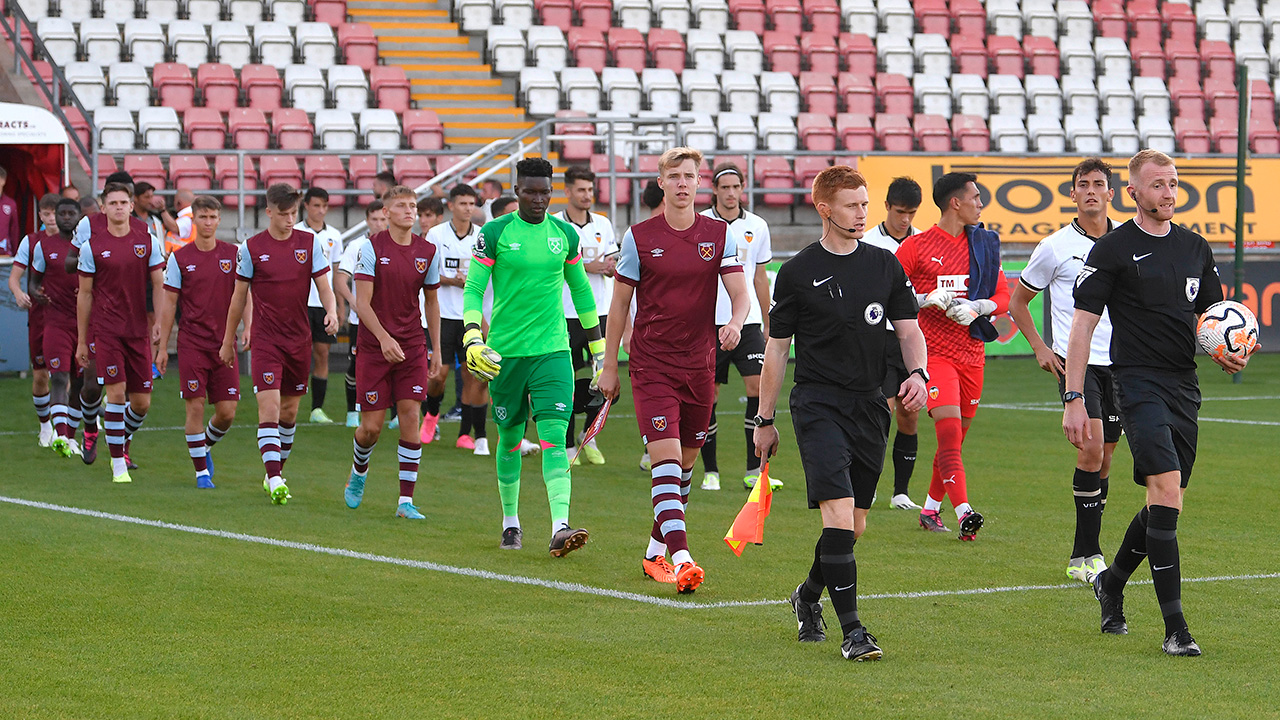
(224, 266)
(371, 397)
(656, 252)
(140, 250)
(264, 257)
(420, 264)
(191, 268)
(561, 407)
(451, 263)
(384, 261)
(707, 250)
(300, 387)
(300, 255)
(416, 389)
(146, 384)
(1193, 288)
(193, 385)
(660, 423)
(954, 283)
(700, 435)
(874, 313)
(106, 254)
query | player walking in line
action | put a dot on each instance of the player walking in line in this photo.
(834, 297)
(1055, 264)
(901, 201)
(58, 287)
(114, 265)
(672, 264)
(200, 277)
(392, 363)
(453, 241)
(36, 316)
(529, 257)
(1154, 277)
(375, 219)
(280, 264)
(315, 205)
(599, 249)
(751, 236)
(954, 267)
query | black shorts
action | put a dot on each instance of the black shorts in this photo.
(748, 356)
(579, 353)
(1099, 399)
(895, 370)
(841, 437)
(352, 332)
(452, 350)
(1160, 412)
(318, 335)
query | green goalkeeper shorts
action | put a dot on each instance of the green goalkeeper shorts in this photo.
(543, 382)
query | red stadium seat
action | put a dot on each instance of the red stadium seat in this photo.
(263, 87)
(1042, 55)
(333, 12)
(576, 150)
(391, 87)
(227, 176)
(359, 45)
(606, 190)
(1263, 101)
(1109, 19)
(1144, 20)
(821, 51)
(895, 94)
(596, 14)
(106, 166)
(326, 171)
(219, 86)
(894, 132)
(970, 18)
(44, 70)
(1187, 97)
(146, 168)
(788, 15)
(932, 16)
(859, 53)
(932, 133)
(627, 47)
(190, 172)
(819, 92)
(80, 127)
(1263, 137)
(588, 48)
(1222, 99)
(783, 51)
(858, 92)
(1181, 23)
(816, 132)
(1006, 55)
(280, 169)
(823, 15)
(1224, 133)
(1184, 61)
(856, 132)
(249, 129)
(174, 86)
(555, 12)
(807, 168)
(970, 52)
(1191, 134)
(293, 129)
(204, 128)
(424, 130)
(773, 172)
(748, 15)
(1150, 57)
(970, 133)
(1218, 59)
(362, 169)
(667, 48)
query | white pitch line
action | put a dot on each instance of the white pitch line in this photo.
(554, 584)
(1058, 409)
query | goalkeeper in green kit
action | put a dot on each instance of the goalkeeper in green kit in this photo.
(529, 256)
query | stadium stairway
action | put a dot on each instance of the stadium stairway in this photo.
(446, 70)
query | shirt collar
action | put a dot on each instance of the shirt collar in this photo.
(1075, 222)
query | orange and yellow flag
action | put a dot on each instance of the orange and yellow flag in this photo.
(748, 527)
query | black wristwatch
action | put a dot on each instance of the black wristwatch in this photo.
(762, 421)
(1070, 395)
(919, 371)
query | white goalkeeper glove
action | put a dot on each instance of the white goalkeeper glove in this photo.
(964, 312)
(939, 298)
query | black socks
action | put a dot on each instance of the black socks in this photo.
(1162, 549)
(749, 427)
(709, 463)
(1087, 488)
(319, 388)
(841, 575)
(904, 461)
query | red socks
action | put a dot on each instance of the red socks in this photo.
(948, 468)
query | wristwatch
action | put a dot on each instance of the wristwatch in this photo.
(762, 421)
(1070, 395)
(919, 371)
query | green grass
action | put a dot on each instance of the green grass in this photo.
(102, 619)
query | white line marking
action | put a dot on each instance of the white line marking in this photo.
(556, 584)
(1058, 409)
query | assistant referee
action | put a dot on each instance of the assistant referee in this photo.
(834, 298)
(1154, 278)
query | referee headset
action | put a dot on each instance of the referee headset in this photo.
(833, 288)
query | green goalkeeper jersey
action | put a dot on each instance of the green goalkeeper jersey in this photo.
(529, 266)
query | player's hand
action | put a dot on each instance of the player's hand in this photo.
(1075, 423)
(964, 312)
(596, 347)
(1049, 362)
(155, 335)
(391, 350)
(23, 299)
(1231, 364)
(38, 297)
(766, 439)
(729, 336)
(913, 394)
(483, 361)
(607, 383)
(244, 339)
(227, 354)
(939, 298)
(82, 355)
(331, 323)
(162, 360)
(435, 368)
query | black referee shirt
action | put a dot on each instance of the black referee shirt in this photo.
(835, 306)
(1154, 287)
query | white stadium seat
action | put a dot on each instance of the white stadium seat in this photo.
(1113, 57)
(289, 12)
(1076, 54)
(100, 39)
(1152, 96)
(737, 131)
(1046, 134)
(146, 42)
(1081, 96)
(861, 16)
(336, 129)
(895, 54)
(507, 49)
(622, 88)
(88, 83)
(713, 15)
(1008, 97)
(741, 92)
(1044, 97)
(662, 88)
(475, 15)
(159, 128)
(672, 14)
(706, 50)
(541, 91)
(316, 44)
(305, 87)
(548, 47)
(77, 10)
(274, 42)
(703, 91)
(700, 131)
(116, 130)
(780, 93)
(1120, 134)
(1156, 133)
(970, 95)
(634, 14)
(1008, 134)
(1117, 97)
(1083, 134)
(897, 17)
(932, 54)
(745, 51)
(130, 86)
(189, 43)
(1213, 20)
(933, 95)
(231, 43)
(348, 88)
(164, 11)
(580, 87)
(59, 38)
(246, 11)
(1075, 19)
(777, 130)
(380, 128)
(1004, 17)
(205, 12)
(1040, 19)
(515, 13)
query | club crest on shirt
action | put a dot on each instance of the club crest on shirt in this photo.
(140, 250)
(268, 378)
(933, 392)
(500, 412)
(420, 264)
(39, 359)
(371, 397)
(556, 244)
(748, 236)
(112, 370)
(193, 385)
(660, 423)
(874, 313)
(224, 266)
(55, 363)
(706, 250)
(93, 347)
(1193, 288)
(300, 255)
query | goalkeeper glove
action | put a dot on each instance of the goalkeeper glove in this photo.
(483, 361)
(596, 347)
(940, 299)
(964, 312)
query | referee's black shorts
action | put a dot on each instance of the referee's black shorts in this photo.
(315, 316)
(841, 437)
(1160, 411)
(579, 352)
(1099, 399)
(747, 356)
(452, 351)
(895, 370)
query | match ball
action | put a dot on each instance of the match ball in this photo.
(1227, 328)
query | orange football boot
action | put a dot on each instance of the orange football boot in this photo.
(660, 569)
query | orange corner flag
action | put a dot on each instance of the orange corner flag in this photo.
(748, 527)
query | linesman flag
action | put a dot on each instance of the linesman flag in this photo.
(748, 527)
(595, 428)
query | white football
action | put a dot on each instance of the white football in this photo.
(1227, 328)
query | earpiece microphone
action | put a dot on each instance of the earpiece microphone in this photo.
(833, 222)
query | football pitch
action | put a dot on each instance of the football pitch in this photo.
(158, 600)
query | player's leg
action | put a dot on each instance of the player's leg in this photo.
(40, 400)
(550, 385)
(510, 411)
(349, 380)
(113, 421)
(943, 405)
(197, 446)
(138, 379)
(748, 358)
(59, 390)
(408, 381)
(710, 458)
(91, 407)
(268, 370)
(475, 404)
(375, 397)
(580, 359)
(321, 343)
(1086, 490)
(590, 450)
(906, 443)
(431, 407)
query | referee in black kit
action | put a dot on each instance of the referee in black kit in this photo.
(1155, 278)
(834, 297)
